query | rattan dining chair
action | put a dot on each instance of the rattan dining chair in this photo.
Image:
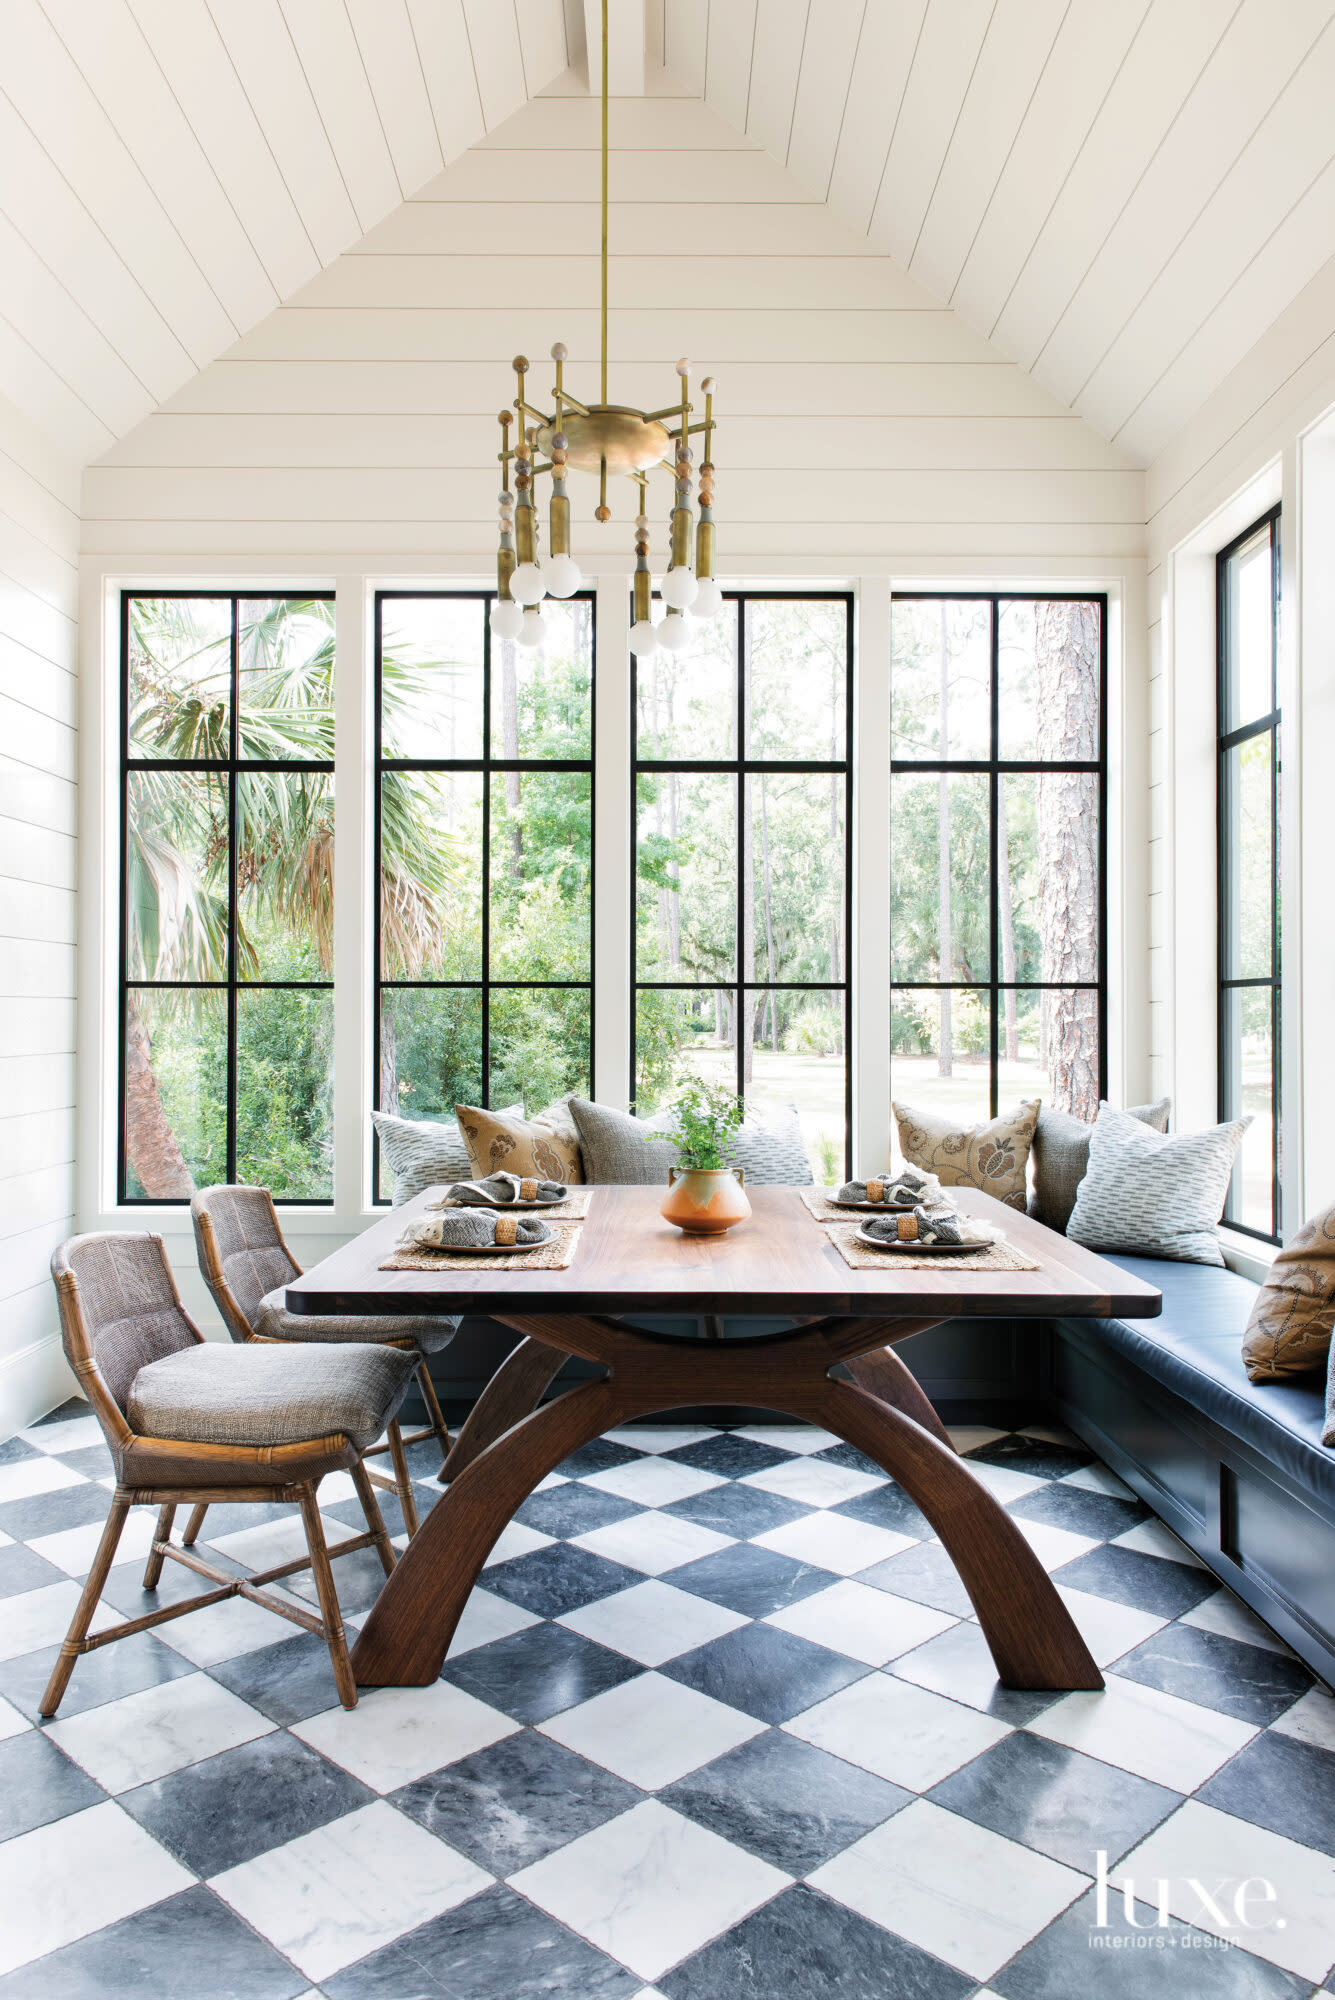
(246, 1265)
(189, 1420)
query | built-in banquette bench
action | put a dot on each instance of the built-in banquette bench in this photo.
(1236, 1468)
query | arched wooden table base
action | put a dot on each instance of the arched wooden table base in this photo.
(1031, 1634)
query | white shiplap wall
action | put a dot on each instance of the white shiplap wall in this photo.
(39, 544)
(862, 421)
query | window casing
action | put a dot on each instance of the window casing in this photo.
(484, 771)
(226, 901)
(998, 852)
(1248, 794)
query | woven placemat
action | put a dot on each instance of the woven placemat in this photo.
(995, 1257)
(816, 1200)
(576, 1204)
(553, 1256)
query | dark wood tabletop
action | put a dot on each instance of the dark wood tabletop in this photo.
(780, 1261)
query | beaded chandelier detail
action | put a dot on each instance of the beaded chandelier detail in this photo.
(603, 438)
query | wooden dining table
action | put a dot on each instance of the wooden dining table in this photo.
(768, 1316)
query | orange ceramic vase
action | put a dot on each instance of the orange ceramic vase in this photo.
(705, 1200)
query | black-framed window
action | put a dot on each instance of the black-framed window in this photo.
(484, 855)
(226, 917)
(1248, 785)
(998, 832)
(742, 871)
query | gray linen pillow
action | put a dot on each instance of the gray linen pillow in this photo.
(426, 1153)
(1060, 1154)
(1150, 1194)
(770, 1150)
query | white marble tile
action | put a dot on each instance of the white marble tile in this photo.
(77, 1875)
(349, 1888)
(865, 1624)
(42, 1617)
(1152, 1538)
(72, 1434)
(648, 1993)
(28, 1477)
(1199, 1848)
(651, 1730)
(801, 1438)
(652, 1622)
(225, 1631)
(1096, 1478)
(11, 1722)
(813, 1482)
(1107, 1628)
(1052, 1434)
(487, 1617)
(904, 1733)
(972, 1437)
(1003, 1483)
(273, 1542)
(396, 1734)
(653, 1482)
(669, 1437)
(144, 1736)
(1158, 1736)
(552, 1480)
(957, 1664)
(653, 1542)
(959, 1891)
(650, 1888)
(1228, 1615)
(1311, 1720)
(1054, 1546)
(834, 1542)
(73, 1549)
(6, 1541)
(516, 1540)
(336, 1487)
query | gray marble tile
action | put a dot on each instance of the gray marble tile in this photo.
(1251, 1682)
(558, 1578)
(1282, 1784)
(888, 1506)
(750, 1580)
(763, 1671)
(785, 1800)
(1084, 1513)
(39, 1783)
(1064, 1961)
(496, 1946)
(191, 1937)
(289, 1681)
(1056, 1800)
(926, 1574)
(104, 1675)
(740, 1511)
(1038, 1457)
(21, 1568)
(1150, 1583)
(48, 1513)
(513, 1803)
(574, 1509)
(729, 1453)
(533, 1675)
(597, 1456)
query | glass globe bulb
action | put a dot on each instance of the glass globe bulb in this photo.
(534, 629)
(708, 598)
(673, 634)
(507, 618)
(679, 588)
(528, 584)
(643, 638)
(563, 575)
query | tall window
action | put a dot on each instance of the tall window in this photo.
(1248, 796)
(997, 830)
(742, 862)
(484, 853)
(227, 743)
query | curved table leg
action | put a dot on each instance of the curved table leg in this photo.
(514, 1391)
(884, 1375)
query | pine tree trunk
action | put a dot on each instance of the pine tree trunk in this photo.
(769, 915)
(150, 1144)
(945, 946)
(510, 748)
(389, 1061)
(1066, 653)
(1006, 911)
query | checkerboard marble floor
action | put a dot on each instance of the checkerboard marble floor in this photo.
(717, 1726)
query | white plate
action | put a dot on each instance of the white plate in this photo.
(924, 1249)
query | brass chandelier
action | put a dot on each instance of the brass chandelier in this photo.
(602, 438)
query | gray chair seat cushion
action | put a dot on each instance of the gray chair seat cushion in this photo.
(273, 1321)
(255, 1395)
(1195, 1348)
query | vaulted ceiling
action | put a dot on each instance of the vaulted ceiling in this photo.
(1120, 195)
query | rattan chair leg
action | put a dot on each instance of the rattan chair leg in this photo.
(83, 1612)
(402, 1478)
(157, 1554)
(375, 1520)
(330, 1613)
(194, 1524)
(435, 1415)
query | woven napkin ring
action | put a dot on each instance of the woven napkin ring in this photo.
(528, 1190)
(907, 1228)
(506, 1225)
(875, 1190)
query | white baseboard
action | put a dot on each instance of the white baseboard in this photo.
(32, 1382)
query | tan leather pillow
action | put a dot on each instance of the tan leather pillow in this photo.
(497, 1141)
(1289, 1330)
(993, 1157)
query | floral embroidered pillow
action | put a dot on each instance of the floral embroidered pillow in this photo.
(498, 1142)
(993, 1157)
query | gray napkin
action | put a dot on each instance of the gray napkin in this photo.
(909, 1186)
(500, 1187)
(935, 1225)
(473, 1229)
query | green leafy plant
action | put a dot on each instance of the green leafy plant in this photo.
(706, 1117)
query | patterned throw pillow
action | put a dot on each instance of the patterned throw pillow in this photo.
(498, 1140)
(1290, 1326)
(1061, 1155)
(420, 1153)
(770, 1151)
(993, 1157)
(1148, 1194)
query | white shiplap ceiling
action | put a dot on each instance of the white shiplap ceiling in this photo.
(1121, 195)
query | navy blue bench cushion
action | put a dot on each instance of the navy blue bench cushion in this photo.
(1195, 1349)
